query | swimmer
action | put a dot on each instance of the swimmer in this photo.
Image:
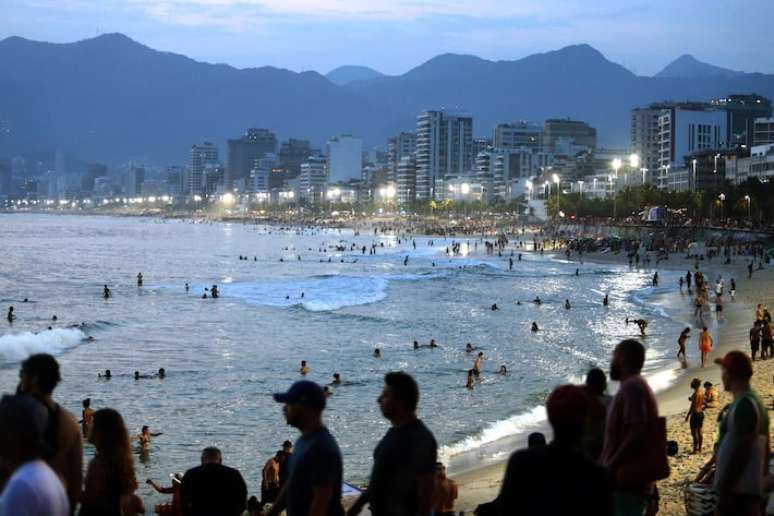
(204, 296)
(336, 379)
(144, 437)
(567, 305)
(304, 370)
(405, 260)
(214, 292)
(535, 327)
(162, 373)
(187, 287)
(416, 345)
(55, 318)
(503, 370)
(518, 303)
(302, 295)
(138, 376)
(377, 353)
(477, 363)
(494, 307)
(469, 348)
(26, 300)
(327, 391)
(537, 301)
(106, 292)
(139, 279)
(642, 323)
(87, 420)
(605, 301)
(469, 384)
(106, 376)
(11, 316)
(433, 344)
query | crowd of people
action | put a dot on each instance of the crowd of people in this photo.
(605, 457)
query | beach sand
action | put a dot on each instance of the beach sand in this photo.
(482, 485)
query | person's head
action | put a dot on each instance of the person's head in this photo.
(87, 403)
(336, 376)
(687, 330)
(399, 397)
(628, 358)
(736, 369)
(137, 374)
(695, 383)
(39, 375)
(480, 354)
(708, 385)
(596, 381)
(162, 371)
(287, 447)
(211, 455)
(23, 423)
(107, 372)
(304, 404)
(440, 470)
(111, 439)
(703, 328)
(303, 363)
(144, 429)
(536, 440)
(567, 407)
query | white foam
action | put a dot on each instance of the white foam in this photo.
(514, 425)
(17, 347)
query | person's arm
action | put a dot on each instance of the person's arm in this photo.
(361, 502)
(746, 423)
(156, 434)
(321, 498)
(158, 488)
(690, 408)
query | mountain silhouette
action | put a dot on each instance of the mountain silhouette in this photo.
(113, 99)
(687, 66)
(349, 73)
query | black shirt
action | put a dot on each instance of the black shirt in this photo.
(401, 457)
(315, 462)
(554, 480)
(213, 489)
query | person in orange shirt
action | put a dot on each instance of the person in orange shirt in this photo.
(705, 344)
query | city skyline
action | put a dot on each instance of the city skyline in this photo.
(385, 35)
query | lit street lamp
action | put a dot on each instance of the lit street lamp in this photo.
(555, 178)
(694, 174)
(616, 166)
(722, 198)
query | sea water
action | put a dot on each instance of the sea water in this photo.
(224, 358)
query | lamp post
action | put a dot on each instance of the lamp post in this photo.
(722, 198)
(616, 166)
(555, 178)
(580, 188)
(748, 199)
(694, 174)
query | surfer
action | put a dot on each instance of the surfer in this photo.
(139, 279)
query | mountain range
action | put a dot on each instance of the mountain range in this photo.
(113, 99)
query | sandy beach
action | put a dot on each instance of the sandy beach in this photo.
(483, 484)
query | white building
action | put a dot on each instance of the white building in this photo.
(313, 178)
(406, 180)
(202, 154)
(345, 158)
(683, 131)
(763, 132)
(759, 165)
(444, 150)
(519, 135)
(259, 175)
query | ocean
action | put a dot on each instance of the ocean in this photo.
(225, 357)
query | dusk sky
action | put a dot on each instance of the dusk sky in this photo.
(393, 36)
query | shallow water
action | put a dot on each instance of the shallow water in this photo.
(225, 357)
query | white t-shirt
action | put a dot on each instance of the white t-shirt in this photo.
(34, 490)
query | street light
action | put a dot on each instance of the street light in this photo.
(722, 198)
(694, 174)
(580, 185)
(555, 178)
(747, 198)
(528, 184)
(616, 166)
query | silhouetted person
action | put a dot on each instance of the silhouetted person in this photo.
(213, 488)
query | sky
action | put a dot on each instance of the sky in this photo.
(393, 36)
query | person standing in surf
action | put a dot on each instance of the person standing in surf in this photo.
(705, 344)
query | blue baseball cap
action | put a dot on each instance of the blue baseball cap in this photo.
(303, 393)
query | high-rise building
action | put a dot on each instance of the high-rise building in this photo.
(398, 147)
(406, 178)
(645, 134)
(261, 172)
(763, 131)
(202, 154)
(313, 178)
(345, 158)
(574, 132)
(292, 153)
(212, 178)
(444, 150)
(93, 171)
(175, 176)
(517, 135)
(484, 175)
(741, 111)
(685, 129)
(133, 179)
(243, 152)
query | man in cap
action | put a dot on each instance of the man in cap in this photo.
(743, 441)
(314, 481)
(556, 479)
(34, 488)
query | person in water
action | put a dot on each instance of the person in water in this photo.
(469, 384)
(535, 326)
(138, 376)
(139, 279)
(433, 343)
(144, 437)
(187, 287)
(567, 304)
(214, 292)
(87, 418)
(641, 323)
(605, 301)
(477, 363)
(162, 373)
(416, 345)
(681, 340)
(537, 301)
(11, 316)
(503, 370)
(494, 307)
(377, 353)
(469, 348)
(106, 292)
(336, 379)
(106, 376)
(304, 370)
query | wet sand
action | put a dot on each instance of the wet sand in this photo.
(483, 484)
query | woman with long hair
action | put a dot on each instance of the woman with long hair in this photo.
(110, 481)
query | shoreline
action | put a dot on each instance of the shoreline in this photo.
(482, 484)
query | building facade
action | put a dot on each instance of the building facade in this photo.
(571, 132)
(345, 158)
(763, 131)
(518, 135)
(685, 129)
(243, 151)
(313, 179)
(444, 150)
(202, 154)
(398, 147)
(741, 112)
